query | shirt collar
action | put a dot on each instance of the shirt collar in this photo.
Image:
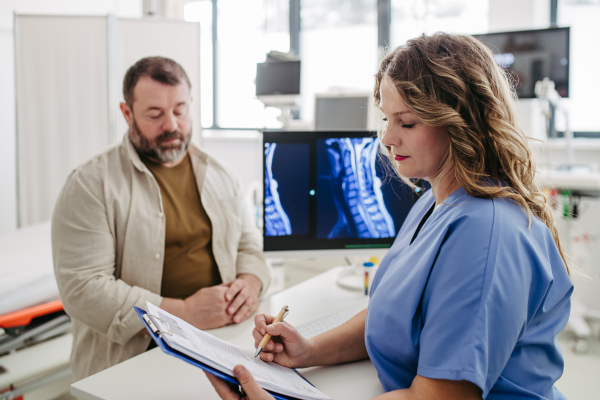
(454, 196)
(133, 155)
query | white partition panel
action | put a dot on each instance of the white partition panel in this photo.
(8, 160)
(62, 104)
(177, 40)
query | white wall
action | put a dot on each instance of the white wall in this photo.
(241, 151)
(8, 161)
(8, 171)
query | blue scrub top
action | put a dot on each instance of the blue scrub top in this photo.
(478, 296)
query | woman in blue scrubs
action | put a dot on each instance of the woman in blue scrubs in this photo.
(468, 301)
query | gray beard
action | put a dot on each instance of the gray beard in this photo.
(153, 150)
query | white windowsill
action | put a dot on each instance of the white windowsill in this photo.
(578, 144)
(229, 135)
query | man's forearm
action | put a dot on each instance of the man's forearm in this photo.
(112, 297)
(174, 306)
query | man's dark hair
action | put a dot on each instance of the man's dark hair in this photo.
(159, 69)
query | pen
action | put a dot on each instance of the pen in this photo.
(284, 311)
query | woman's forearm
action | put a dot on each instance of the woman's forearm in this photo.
(345, 343)
(433, 389)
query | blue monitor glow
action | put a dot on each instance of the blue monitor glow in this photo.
(330, 191)
(531, 56)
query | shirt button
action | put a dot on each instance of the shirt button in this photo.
(160, 215)
(157, 256)
(146, 336)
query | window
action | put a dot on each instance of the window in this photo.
(411, 18)
(584, 86)
(338, 48)
(264, 24)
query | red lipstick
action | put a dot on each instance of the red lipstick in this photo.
(400, 158)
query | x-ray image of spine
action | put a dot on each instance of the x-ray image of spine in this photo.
(277, 222)
(357, 190)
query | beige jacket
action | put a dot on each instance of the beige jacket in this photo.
(108, 240)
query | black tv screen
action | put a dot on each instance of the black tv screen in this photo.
(330, 191)
(277, 78)
(532, 56)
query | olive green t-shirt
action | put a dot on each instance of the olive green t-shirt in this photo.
(189, 264)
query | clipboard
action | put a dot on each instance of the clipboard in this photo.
(156, 334)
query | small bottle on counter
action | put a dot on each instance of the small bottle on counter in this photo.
(369, 271)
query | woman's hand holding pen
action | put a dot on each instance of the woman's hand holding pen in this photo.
(287, 346)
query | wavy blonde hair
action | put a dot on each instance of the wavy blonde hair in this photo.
(453, 81)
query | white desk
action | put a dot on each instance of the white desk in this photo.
(155, 375)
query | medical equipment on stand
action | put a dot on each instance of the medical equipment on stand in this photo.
(551, 102)
(581, 312)
(570, 182)
(566, 200)
(278, 84)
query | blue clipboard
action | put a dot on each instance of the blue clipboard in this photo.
(172, 352)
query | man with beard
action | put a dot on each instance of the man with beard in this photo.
(153, 219)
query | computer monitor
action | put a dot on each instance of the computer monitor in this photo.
(278, 82)
(275, 78)
(345, 111)
(532, 56)
(330, 193)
